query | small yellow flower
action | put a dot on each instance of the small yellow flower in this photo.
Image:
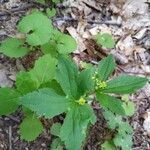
(103, 85)
(81, 101)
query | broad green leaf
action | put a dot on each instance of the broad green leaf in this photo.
(45, 102)
(38, 28)
(108, 145)
(30, 128)
(44, 69)
(65, 43)
(24, 83)
(8, 101)
(56, 144)
(67, 76)
(123, 138)
(105, 40)
(111, 103)
(60, 43)
(85, 81)
(27, 112)
(125, 84)
(51, 12)
(125, 142)
(112, 119)
(73, 131)
(106, 67)
(12, 47)
(55, 129)
(129, 108)
(125, 128)
(50, 48)
(128, 105)
(53, 85)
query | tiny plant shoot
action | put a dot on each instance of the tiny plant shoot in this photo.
(55, 85)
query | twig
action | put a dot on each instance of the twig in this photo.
(13, 118)
(38, 4)
(33, 4)
(10, 137)
(14, 10)
(92, 7)
(137, 73)
(94, 62)
(107, 22)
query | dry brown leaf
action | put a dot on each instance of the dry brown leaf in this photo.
(146, 123)
(80, 41)
(4, 79)
(128, 46)
(133, 8)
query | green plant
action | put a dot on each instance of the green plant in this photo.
(59, 87)
(56, 85)
(38, 31)
(105, 40)
(57, 144)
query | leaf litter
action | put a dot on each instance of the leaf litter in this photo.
(131, 52)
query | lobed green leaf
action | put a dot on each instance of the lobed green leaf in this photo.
(108, 145)
(37, 27)
(25, 83)
(56, 144)
(50, 48)
(44, 69)
(51, 12)
(8, 101)
(112, 119)
(55, 129)
(13, 48)
(30, 128)
(105, 40)
(60, 43)
(65, 43)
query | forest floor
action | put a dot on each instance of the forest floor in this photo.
(127, 20)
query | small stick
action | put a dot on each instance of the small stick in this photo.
(11, 11)
(107, 22)
(13, 118)
(10, 138)
(130, 72)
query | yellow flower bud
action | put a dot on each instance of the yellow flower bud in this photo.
(103, 85)
(81, 101)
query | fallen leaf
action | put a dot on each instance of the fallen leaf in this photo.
(146, 123)
(80, 41)
(133, 8)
